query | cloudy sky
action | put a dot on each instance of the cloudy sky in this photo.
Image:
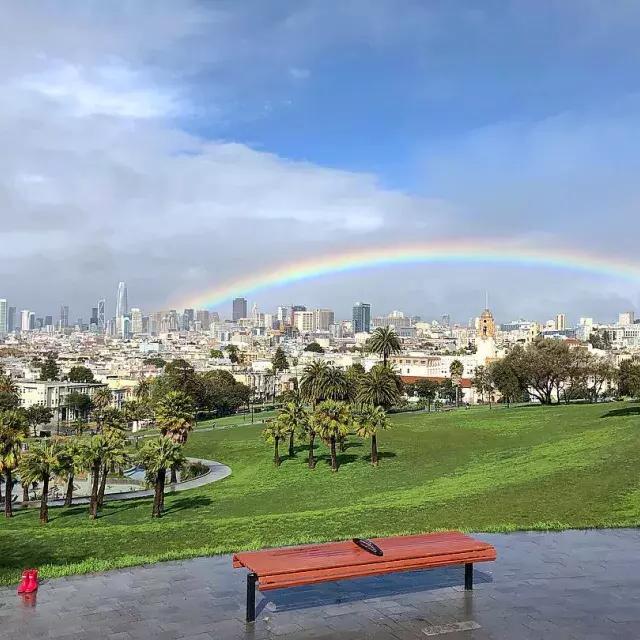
(178, 145)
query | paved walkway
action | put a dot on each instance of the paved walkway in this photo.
(217, 471)
(544, 586)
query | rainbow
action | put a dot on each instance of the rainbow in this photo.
(454, 251)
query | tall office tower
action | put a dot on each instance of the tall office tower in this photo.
(94, 316)
(626, 318)
(283, 315)
(3, 318)
(27, 320)
(561, 322)
(48, 321)
(102, 325)
(11, 319)
(239, 309)
(323, 318)
(145, 324)
(361, 317)
(122, 305)
(204, 318)
(136, 321)
(64, 316)
(188, 318)
(446, 320)
(39, 323)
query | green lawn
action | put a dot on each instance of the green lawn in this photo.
(480, 469)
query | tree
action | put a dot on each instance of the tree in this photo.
(456, 369)
(276, 431)
(79, 403)
(381, 387)
(142, 391)
(354, 375)
(102, 400)
(427, 390)
(335, 385)
(218, 391)
(629, 377)
(68, 463)
(91, 455)
(80, 374)
(39, 464)
(181, 376)
(314, 347)
(312, 382)
(482, 383)
(293, 418)
(216, 354)
(369, 420)
(279, 361)
(36, 415)
(506, 381)
(332, 420)
(384, 341)
(601, 372)
(114, 455)
(13, 431)
(49, 369)
(9, 398)
(175, 416)
(233, 352)
(156, 456)
(447, 391)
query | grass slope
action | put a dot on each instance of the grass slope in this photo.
(483, 470)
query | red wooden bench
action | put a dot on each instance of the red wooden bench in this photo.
(310, 564)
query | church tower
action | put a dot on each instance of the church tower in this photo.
(486, 338)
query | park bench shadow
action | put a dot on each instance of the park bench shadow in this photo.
(357, 589)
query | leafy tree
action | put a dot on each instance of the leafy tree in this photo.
(155, 361)
(13, 431)
(135, 411)
(36, 415)
(629, 377)
(482, 383)
(279, 361)
(49, 369)
(234, 353)
(426, 390)
(80, 403)
(381, 387)
(384, 341)
(276, 431)
(447, 391)
(505, 379)
(39, 464)
(314, 347)
(219, 391)
(369, 420)
(156, 456)
(216, 354)
(80, 374)
(332, 420)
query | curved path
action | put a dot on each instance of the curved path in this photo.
(217, 471)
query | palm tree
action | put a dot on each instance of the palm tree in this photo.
(332, 419)
(68, 463)
(90, 458)
(380, 387)
(369, 421)
(175, 415)
(456, 369)
(294, 418)
(114, 455)
(312, 384)
(384, 341)
(101, 399)
(276, 431)
(39, 464)
(335, 385)
(13, 431)
(156, 456)
(143, 390)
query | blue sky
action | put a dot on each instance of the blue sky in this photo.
(179, 144)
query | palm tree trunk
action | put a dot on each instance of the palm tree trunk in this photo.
(103, 486)
(291, 451)
(8, 495)
(44, 502)
(158, 497)
(374, 450)
(93, 504)
(1, 487)
(312, 460)
(68, 499)
(342, 443)
(174, 476)
(276, 453)
(25, 495)
(334, 458)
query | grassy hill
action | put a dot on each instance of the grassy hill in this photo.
(480, 469)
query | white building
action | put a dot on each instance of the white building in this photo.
(136, 321)
(3, 317)
(626, 318)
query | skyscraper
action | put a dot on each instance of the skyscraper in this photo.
(561, 322)
(27, 320)
(64, 316)
(361, 317)
(239, 309)
(136, 321)
(11, 319)
(122, 305)
(101, 319)
(3, 317)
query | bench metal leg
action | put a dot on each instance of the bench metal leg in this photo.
(252, 578)
(468, 576)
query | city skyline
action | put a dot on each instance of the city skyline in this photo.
(364, 127)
